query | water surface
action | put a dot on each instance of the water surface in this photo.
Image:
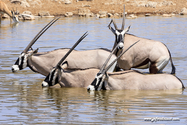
(24, 101)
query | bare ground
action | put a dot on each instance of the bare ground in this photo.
(57, 9)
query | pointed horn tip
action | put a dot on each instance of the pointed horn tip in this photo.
(129, 28)
(41, 32)
(84, 35)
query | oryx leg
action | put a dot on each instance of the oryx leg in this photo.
(157, 67)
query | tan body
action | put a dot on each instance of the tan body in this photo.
(43, 63)
(132, 80)
(78, 78)
(4, 9)
(146, 54)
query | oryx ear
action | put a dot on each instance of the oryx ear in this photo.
(32, 53)
(60, 70)
(126, 30)
(35, 51)
(64, 65)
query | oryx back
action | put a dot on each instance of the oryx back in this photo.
(77, 78)
(132, 80)
(89, 59)
(44, 62)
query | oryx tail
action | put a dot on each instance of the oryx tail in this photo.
(171, 61)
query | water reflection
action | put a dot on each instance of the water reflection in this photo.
(24, 101)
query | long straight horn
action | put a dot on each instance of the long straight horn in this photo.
(107, 68)
(82, 37)
(104, 65)
(123, 21)
(40, 33)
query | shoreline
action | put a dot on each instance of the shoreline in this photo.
(108, 8)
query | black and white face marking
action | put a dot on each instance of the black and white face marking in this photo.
(51, 79)
(97, 83)
(14, 18)
(20, 63)
(120, 34)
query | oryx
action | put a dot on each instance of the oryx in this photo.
(147, 54)
(69, 78)
(133, 80)
(44, 62)
(4, 9)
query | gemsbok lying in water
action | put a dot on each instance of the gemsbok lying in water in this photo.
(133, 80)
(44, 62)
(147, 54)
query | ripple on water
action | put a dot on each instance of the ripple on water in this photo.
(24, 101)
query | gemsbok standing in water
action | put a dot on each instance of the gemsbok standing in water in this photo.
(147, 54)
(4, 9)
(69, 78)
(44, 62)
(133, 80)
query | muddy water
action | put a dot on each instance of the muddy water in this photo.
(24, 101)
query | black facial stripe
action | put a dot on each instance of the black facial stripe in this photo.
(51, 79)
(21, 64)
(52, 76)
(99, 82)
(17, 62)
(47, 80)
(117, 51)
(119, 38)
(94, 82)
